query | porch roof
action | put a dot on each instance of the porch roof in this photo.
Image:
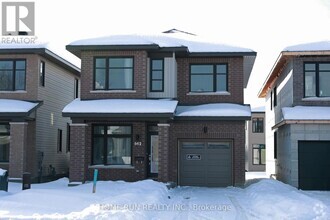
(17, 108)
(223, 111)
(306, 113)
(128, 108)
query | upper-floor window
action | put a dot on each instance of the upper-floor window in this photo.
(257, 125)
(12, 75)
(42, 74)
(113, 73)
(76, 88)
(157, 75)
(208, 77)
(317, 79)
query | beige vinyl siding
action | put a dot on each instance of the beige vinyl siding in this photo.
(170, 79)
(57, 93)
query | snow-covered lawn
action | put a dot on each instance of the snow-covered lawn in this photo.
(261, 199)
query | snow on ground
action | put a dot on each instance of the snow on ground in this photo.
(264, 199)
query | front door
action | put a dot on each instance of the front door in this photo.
(153, 152)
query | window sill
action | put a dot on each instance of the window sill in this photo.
(315, 99)
(19, 91)
(208, 93)
(113, 91)
(111, 167)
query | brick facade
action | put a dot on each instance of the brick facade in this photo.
(169, 132)
(78, 152)
(163, 152)
(18, 149)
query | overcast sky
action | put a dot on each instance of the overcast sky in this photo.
(266, 26)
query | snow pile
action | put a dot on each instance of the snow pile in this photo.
(306, 113)
(147, 199)
(214, 110)
(276, 200)
(2, 172)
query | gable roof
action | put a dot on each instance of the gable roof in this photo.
(181, 43)
(308, 49)
(42, 50)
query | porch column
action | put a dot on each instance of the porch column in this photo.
(77, 152)
(17, 151)
(163, 152)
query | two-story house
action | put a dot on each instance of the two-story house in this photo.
(167, 106)
(35, 85)
(297, 95)
(255, 148)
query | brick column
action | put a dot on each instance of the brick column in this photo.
(17, 151)
(239, 157)
(77, 152)
(163, 152)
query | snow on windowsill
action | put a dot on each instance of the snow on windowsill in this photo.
(111, 167)
(208, 93)
(315, 99)
(113, 91)
(20, 91)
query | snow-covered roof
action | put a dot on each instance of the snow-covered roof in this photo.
(258, 109)
(313, 46)
(42, 49)
(120, 106)
(306, 113)
(17, 107)
(193, 43)
(23, 46)
(182, 43)
(319, 48)
(214, 110)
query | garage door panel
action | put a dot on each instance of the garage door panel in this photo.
(193, 168)
(188, 175)
(210, 165)
(218, 157)
(215, 174)
(313, 165)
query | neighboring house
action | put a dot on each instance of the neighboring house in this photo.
(297, 94)
(255, 148)
(35, 85)
(166, 107)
